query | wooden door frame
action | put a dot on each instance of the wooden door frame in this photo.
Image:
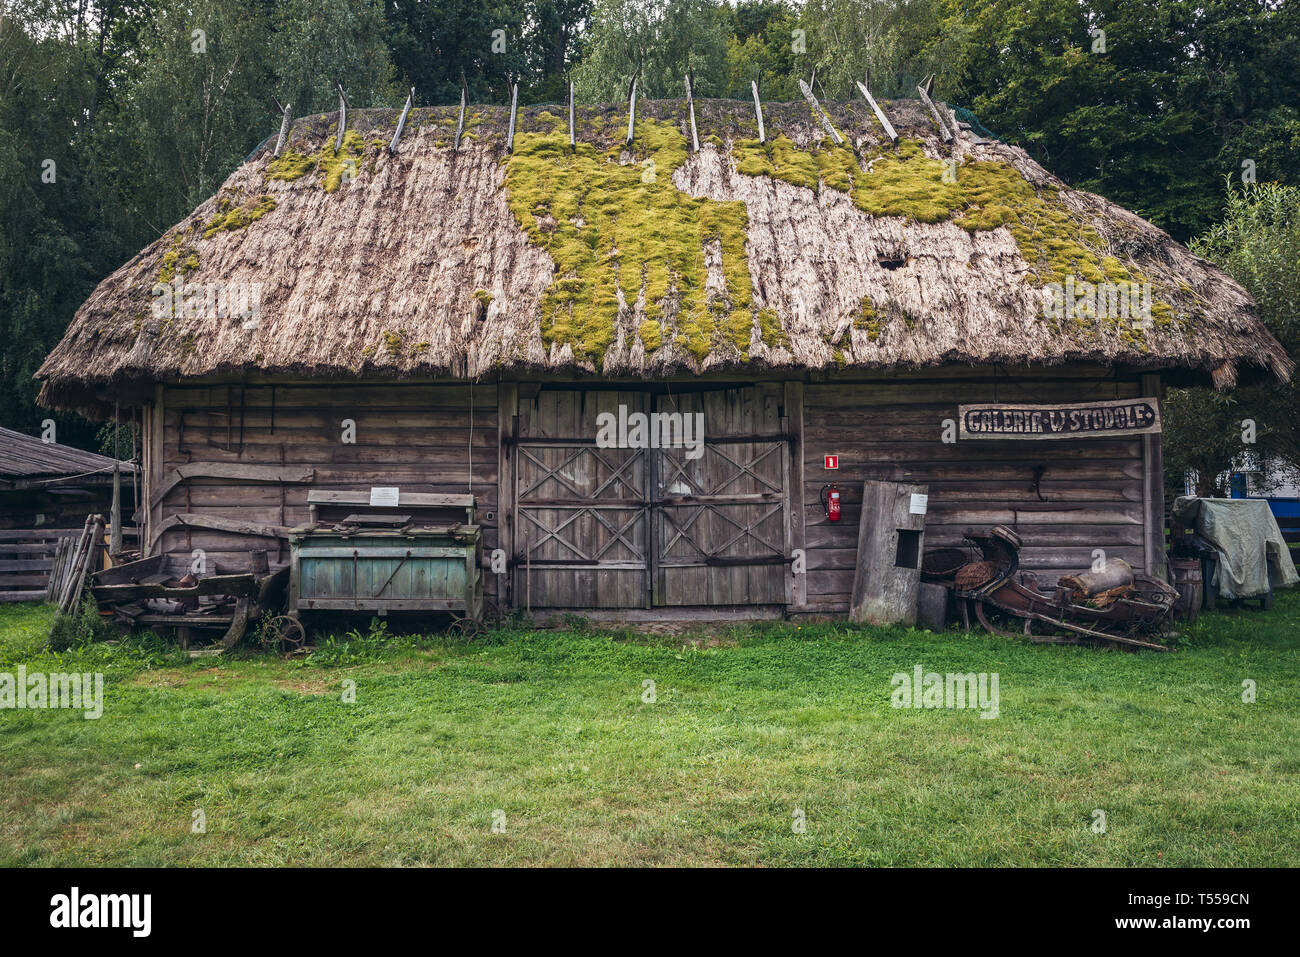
(790, 430)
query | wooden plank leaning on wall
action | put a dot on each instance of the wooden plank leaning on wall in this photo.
(507, 409)
(794, 490)
(1153, 487)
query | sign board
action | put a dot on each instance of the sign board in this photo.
(1072, 420)
(831, 461)
(382, 497)
(919, 504)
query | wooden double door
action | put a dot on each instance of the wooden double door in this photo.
(632, 526)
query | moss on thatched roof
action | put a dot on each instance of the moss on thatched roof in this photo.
(650, 259)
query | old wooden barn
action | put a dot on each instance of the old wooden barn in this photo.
(450, 309)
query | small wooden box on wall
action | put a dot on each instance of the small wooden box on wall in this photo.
(891, 539)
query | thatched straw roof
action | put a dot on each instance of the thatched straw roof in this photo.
(651, 259)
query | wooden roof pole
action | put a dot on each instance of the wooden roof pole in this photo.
(284, 126)
(758, 111)
(514, 105)
(631, 109)
(880, 114)
(924, 89)
(690, 109)
(401, 122)
(573, 141)
(460, 123)
(820, 113)
(343, 117)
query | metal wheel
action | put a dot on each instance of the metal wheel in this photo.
(999, 622)
(285, 633)
(465, 627)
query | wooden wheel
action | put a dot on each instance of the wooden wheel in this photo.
(285, 633)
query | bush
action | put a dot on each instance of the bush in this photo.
(81, 628)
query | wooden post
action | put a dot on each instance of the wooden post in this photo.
(690, 110)
(157, 458)
(924, 90)
(284, 127)
(758, 111)
(343, 118)
(401, 122)
(880, 114)
(464, 100)
(514, 105)
(1153, 490)
(820, 113)
(631, 110)
(891, 539)
(115, 512)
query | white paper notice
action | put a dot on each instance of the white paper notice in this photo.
(919, 504)
(387, 497)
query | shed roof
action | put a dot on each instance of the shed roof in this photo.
(25, 459)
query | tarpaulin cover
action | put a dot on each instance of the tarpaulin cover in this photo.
(1251, 548)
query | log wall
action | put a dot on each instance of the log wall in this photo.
(1096, 493)
(414, 436)
(892, 430)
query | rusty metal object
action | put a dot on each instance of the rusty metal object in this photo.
(1132, 614)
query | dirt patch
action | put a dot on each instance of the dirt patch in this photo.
(306, 687)
(160, 679)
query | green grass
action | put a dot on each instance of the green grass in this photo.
(748, 725)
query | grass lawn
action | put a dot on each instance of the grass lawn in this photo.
(748, 726)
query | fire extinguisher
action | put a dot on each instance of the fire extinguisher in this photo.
(830, 496)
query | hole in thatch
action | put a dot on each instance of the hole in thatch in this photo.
(892, 262)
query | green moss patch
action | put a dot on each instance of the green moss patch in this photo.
(179, 258)
(331, 165)
(977, 196)
(231, 216)
(613, 220)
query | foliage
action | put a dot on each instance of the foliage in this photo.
(80, 628)
(657, 41)
(1258, 244)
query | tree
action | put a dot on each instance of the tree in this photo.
(1258, 244)
(657, 40)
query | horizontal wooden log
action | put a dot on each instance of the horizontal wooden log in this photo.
(196, 520)
(21, 580)
(25, 564)
(37, 534)
(237, 471)
(413, 499)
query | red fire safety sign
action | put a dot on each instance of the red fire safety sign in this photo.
(832, 461)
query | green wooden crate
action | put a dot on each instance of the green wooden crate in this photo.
(387, 570)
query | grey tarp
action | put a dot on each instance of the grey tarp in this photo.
(1251, 548)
